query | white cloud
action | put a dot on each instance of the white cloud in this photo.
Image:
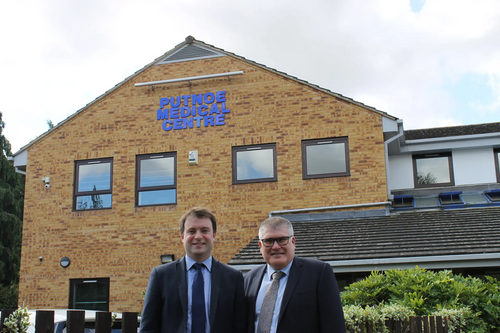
(60, 55)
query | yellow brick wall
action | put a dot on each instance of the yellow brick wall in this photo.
(125, 242)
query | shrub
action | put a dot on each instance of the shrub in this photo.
(472, 303)
(8, 296)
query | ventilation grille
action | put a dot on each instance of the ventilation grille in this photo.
(190, 52)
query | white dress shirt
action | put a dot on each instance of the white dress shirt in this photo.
(207, 280)
(267, 279)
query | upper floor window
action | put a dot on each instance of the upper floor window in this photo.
(252, 164)
(497, 162)
(325, 158)
(93, 184)
(433, 170)
(156, 179)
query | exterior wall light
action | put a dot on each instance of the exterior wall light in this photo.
(65, 262)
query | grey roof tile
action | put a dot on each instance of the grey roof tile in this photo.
(409, 234)
(439, 132)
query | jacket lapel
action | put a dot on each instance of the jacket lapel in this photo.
(255, 287)
(183, 290)
(214, 294)
(295, 272)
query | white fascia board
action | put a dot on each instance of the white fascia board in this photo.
(21, 159)
(389, 125)
(422, 145)
(431, 262)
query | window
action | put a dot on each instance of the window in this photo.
(496, 153)
(252, 164)
(450, 198)
(433, 170)
(493, 195)
(93, 184)
(89, 294)
(325, 158)
(156, 179)
(403, 201)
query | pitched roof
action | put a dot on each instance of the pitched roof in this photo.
(192, 49)
(440, 132)
(403, 235)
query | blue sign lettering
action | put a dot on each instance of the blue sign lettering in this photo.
(188, 111)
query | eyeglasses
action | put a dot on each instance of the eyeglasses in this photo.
(269, 242)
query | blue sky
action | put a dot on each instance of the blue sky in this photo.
(431, 63)
(417, 5)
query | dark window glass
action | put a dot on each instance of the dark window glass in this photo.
(325, 158)
(254, 164)
(93, 185)
(433, 170)
(156, 179)
(89, 294)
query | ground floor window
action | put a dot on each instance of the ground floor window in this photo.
(89, 294)
(433, 170)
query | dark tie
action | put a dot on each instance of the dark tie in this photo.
(267, 310)
(198, 316)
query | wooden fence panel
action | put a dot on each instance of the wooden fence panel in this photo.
(129, 322)
(439, 325)
(103, 322)
(75, 322)
(44, 322)
(425, 324)
(5, 314)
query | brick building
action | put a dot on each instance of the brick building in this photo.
(105, 188)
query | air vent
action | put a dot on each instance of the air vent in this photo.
(190, 52)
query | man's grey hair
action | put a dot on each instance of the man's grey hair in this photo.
(275, 223)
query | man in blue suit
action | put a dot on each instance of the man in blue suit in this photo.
(305, 297)
(177, 290)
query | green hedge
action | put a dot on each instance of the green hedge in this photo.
(472, 303)
(8, 296)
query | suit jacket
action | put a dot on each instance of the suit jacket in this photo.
(166, 302)
(311, 301)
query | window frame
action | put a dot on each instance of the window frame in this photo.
(496, 156)
(428, 156)
(77, 193)
(236, 149)
(74, 282)
(139, 188)
(316, 142)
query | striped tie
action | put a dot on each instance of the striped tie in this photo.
(267, 310)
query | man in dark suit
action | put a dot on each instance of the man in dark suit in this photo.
(305, 292)
(195, 293)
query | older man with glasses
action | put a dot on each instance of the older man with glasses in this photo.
(290, 294)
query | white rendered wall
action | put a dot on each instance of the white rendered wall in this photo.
(400, 172)
(474, 166)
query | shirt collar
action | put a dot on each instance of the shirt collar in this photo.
(190, 262)
(285, 270)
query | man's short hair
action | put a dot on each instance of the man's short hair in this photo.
(199, 212)
(275, 223)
